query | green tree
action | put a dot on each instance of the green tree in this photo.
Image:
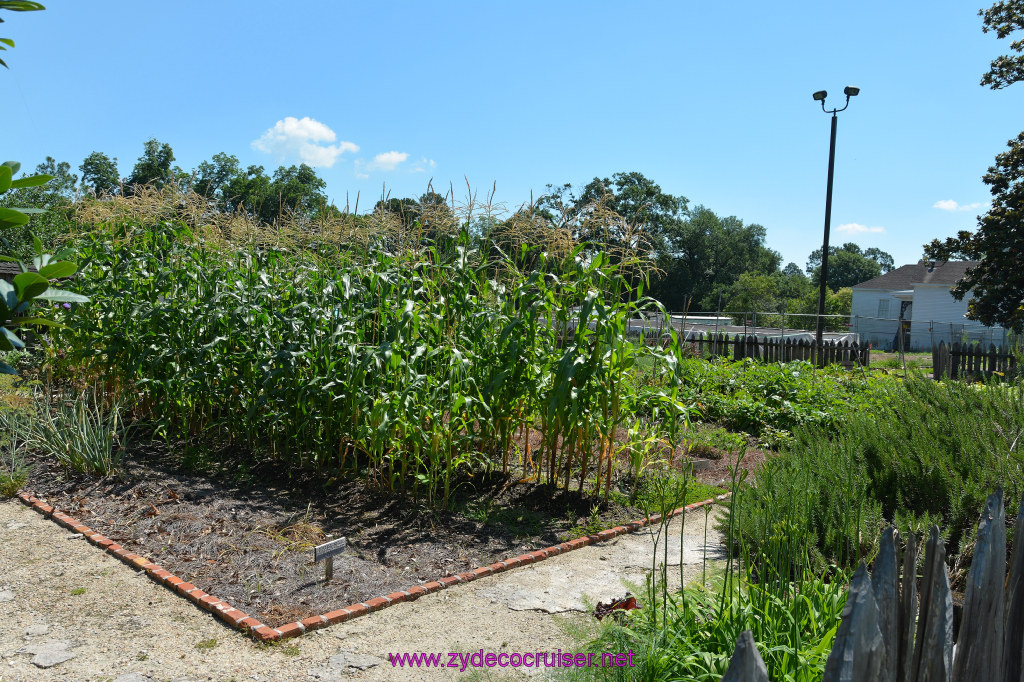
(296, 191)
(99, 175)
(705, 254)
(647, 213)
(793, 283)
(248, 192)
(213, 178)
(153, 167)
(53, 201)
(753, 292)
(1004, 18)
(996, 284)
(882, 258)
(848, 265)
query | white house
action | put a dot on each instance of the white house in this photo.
(930, 313)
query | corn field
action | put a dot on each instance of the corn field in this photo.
(407, 370)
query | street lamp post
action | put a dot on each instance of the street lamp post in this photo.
(820, 97)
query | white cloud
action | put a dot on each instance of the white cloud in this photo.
(388, 161)
(857, 228)
(951, 205)
(306, 139)
(422, 165)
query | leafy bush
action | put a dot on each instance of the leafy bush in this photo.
(81, 434)
(757, 397)
(928, 452)
(711, 443)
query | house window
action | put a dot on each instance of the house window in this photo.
(883, 308)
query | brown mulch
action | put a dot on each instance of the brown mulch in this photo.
(245, 534)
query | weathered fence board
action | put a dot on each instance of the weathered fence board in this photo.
(746, 664)
(859, 650)
(781, 350)
(971, 361)
(876, 638)
(979, 653)
(1013, 649)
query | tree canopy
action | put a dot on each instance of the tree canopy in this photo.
(99, 174)
(705, 254)
(996, 284)
(849, 265)
(153, 167)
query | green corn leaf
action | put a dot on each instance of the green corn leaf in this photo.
(42, 321)
(4, 367)
(21, 5)
(5, 178)
(6, 41)
(15, 166)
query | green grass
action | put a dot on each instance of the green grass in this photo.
(207, 644)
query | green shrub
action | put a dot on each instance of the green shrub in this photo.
(82, 434)
(773, 399)
(931, 454)
(711, 443)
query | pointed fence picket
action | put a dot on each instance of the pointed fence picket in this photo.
(879, 637)
(781, 350)
(971, 361)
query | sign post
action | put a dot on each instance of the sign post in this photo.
(327, 551)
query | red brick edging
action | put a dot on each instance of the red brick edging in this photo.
(240, 620)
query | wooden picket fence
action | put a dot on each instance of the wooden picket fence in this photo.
(881, 639)
(781, 350)
(971, 361)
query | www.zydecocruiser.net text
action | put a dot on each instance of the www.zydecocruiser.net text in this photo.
(530, 659)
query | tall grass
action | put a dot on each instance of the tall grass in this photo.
(14, 436)
(768, 588)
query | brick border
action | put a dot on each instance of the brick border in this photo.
(245, 623)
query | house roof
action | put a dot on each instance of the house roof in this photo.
(944, 273)
(9, 270)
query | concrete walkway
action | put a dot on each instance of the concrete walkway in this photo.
(68, 611)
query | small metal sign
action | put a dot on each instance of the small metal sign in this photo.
(329, 549)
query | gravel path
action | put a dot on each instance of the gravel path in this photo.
(68, 611)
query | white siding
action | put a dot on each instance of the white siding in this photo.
(937, 316)
(864, 317)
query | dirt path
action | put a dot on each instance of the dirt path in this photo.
(68, 611)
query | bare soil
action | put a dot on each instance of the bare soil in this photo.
(245, 534)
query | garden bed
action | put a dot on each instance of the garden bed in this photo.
(248, 539)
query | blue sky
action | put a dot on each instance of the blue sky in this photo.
(710, 100)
